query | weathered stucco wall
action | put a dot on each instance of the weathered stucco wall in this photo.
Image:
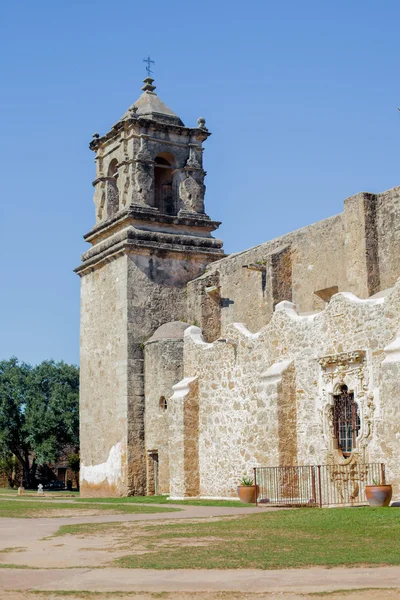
(183, 418)
(163, 369)
(265, 398)
(123, 303)
(103, 385)
(155, 296)
(388, 235)
(357, 251)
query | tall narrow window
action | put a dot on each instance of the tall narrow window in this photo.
(346, 420)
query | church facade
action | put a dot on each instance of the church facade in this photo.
(196, 366)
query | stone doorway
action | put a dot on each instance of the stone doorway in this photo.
(152, 473)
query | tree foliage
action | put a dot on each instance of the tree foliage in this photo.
(39, 412)
(11, 469)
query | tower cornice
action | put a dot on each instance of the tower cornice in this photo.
(148, 124)
(147, 217)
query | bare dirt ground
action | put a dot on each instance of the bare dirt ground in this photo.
(94, 549)
(61, 567)
(380, 594)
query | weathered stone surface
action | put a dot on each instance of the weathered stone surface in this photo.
(357, 251)
(184, 439)
(133, 281)
(275, 330)
(164, 368)
(250, 415)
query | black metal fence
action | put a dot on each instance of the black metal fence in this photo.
(316, 485)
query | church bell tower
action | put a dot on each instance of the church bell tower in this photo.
(151, 237)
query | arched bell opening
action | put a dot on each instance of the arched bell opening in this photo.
(164, 188)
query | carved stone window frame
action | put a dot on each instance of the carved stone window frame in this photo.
(350, 369)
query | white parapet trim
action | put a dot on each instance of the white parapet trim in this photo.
(286, 305)
(274, 373)
(182, 388)
(392, 351)
(242, 329)
(353, 298)
(195, 334)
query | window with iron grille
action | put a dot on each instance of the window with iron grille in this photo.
(346, 420)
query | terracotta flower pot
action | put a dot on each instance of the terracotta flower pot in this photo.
(247, 493)
(378, 495)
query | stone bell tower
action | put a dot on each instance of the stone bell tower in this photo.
(151, 237)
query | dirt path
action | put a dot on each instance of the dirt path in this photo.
(380, 594)
(29, 542)
(293, 581)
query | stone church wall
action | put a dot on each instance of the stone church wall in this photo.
(265, 398)
(116, 323)
(357, 251)
(103, 384)
(164, 368)
(388, 234)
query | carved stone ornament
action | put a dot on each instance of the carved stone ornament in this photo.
(191, 193)
(144, 154)
(143, 183)
(194, 159)
(201, 123)
(350, 369)
(132, 112)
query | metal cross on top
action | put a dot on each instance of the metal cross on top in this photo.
(149, 63)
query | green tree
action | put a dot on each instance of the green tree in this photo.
(74, 463)
(39, 412)
(11, 469)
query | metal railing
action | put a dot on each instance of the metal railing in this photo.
(316, 485)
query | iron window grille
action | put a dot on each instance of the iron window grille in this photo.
(346, 420)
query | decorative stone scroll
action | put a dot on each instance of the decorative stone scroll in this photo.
(350, 369)
(191, 192)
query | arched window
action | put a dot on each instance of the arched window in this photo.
(164, 191)
(163, 403)
(112, 189)
(346, 420)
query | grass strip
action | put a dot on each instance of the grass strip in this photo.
(165, 500)
(10, 508)
(274, 540)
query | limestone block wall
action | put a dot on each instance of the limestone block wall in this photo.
(265, 398)
(103, 381)
(386, 440)
(155, 296)
(163, 369)
(122, 303)
(183, 420)
(388, 236)
(357, 251)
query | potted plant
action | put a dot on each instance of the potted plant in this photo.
(247, 491)
(378, 494)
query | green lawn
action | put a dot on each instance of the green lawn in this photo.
(29, 494)
(273, 540)
(164, 500)
(47, 508)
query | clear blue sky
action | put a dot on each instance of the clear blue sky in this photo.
(301, 98)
